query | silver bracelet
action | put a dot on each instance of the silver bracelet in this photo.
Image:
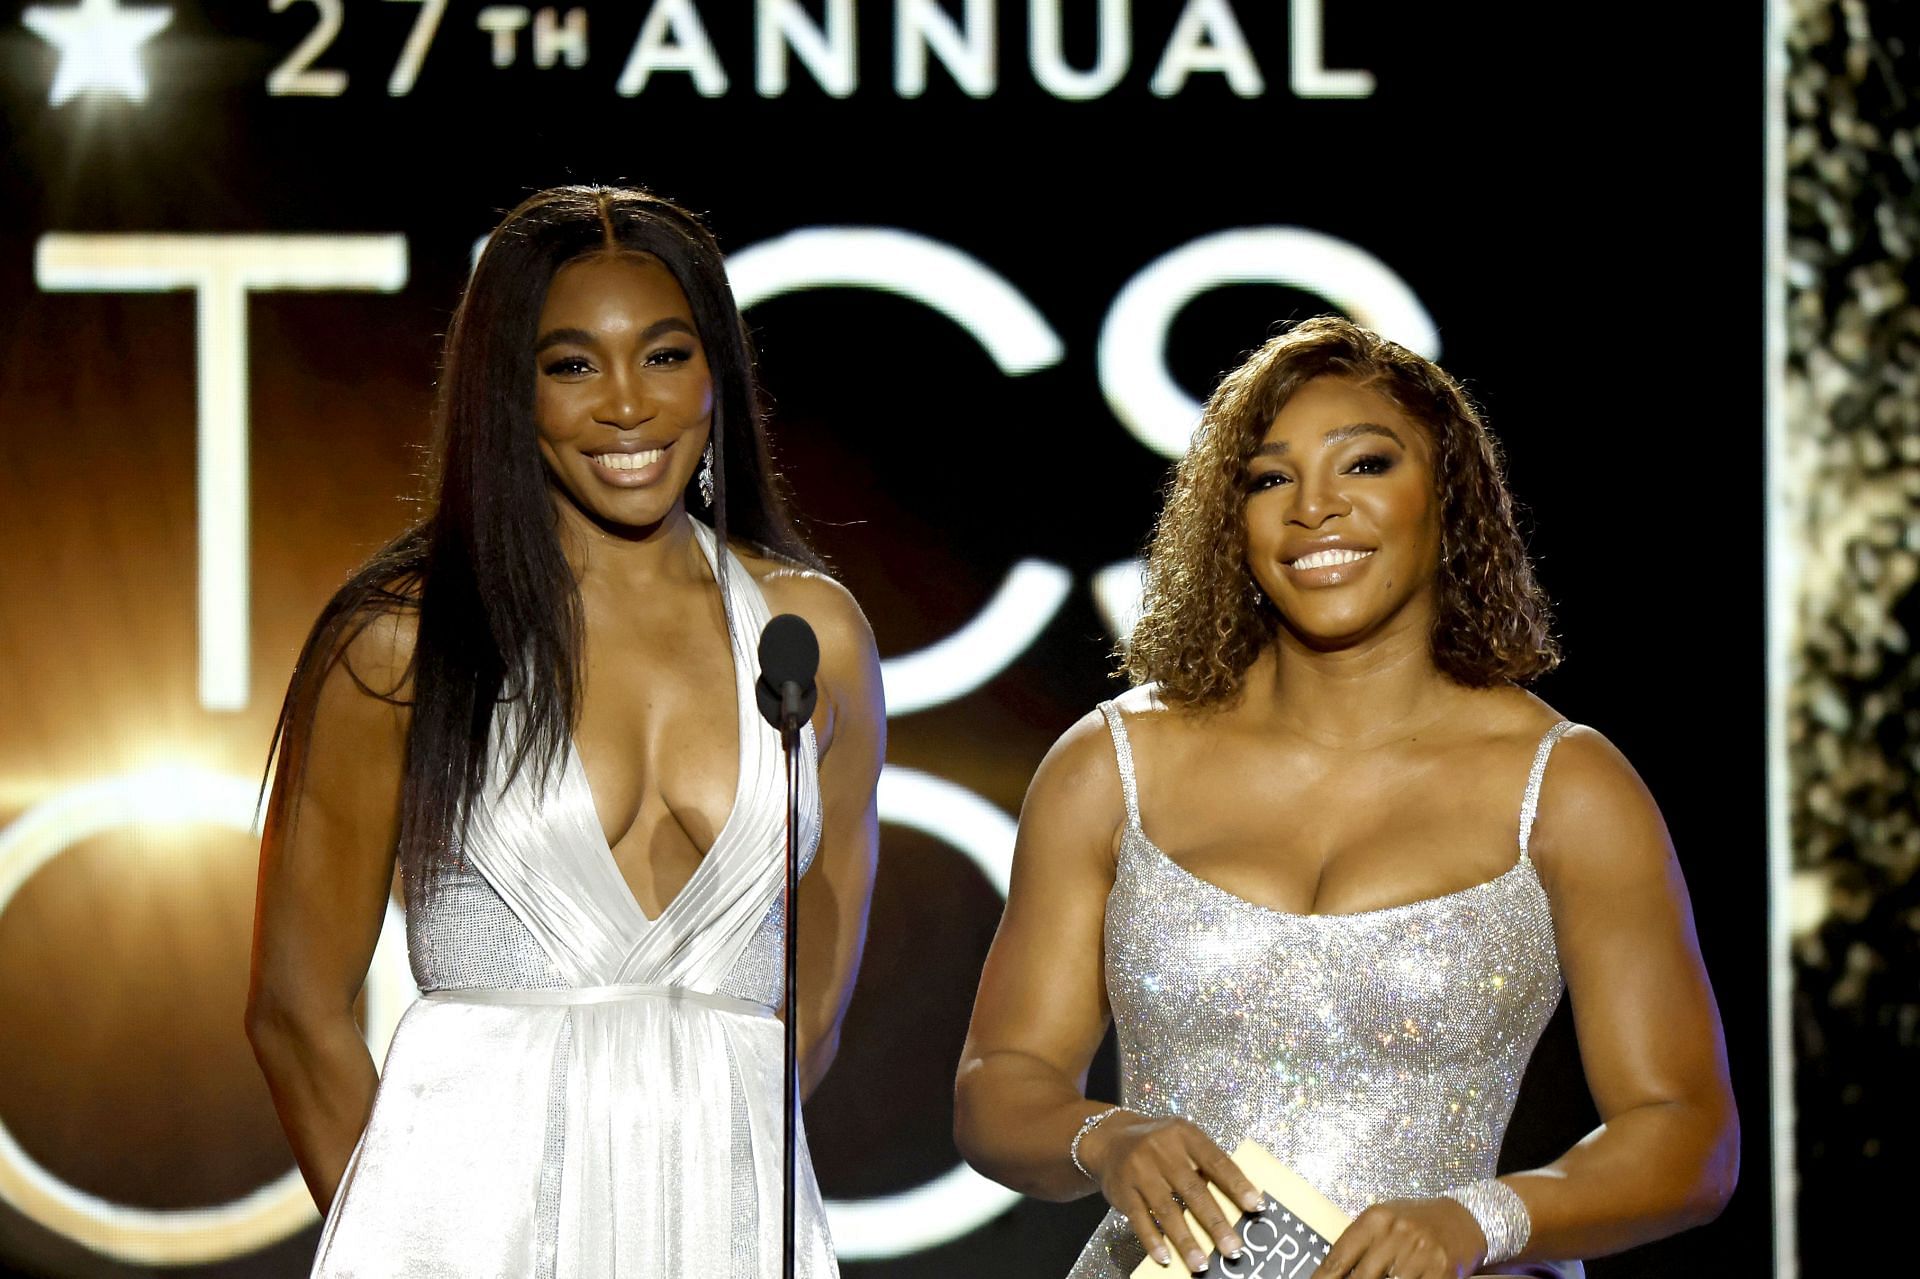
(1087, 1125)
(1501, 1214)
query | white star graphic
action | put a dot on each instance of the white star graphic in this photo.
(99, 45)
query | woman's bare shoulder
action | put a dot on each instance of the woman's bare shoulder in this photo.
(1166, 732)
(798, 589)
(1140, 700)
(1510, 710)
(1074, 799)
(373, 651)
(849, 657)
(1082, 770)
(1587, 770)
(1591, 778)
(828, 607)
(763, 563)
(1598, 827)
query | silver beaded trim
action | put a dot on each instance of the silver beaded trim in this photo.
(1502, 1215)
(1123, 753)
(1087, 1125)
(1530, 802)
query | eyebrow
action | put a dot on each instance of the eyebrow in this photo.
(581, 337)
(1338, 435)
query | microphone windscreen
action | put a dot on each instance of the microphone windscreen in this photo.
(789, 651)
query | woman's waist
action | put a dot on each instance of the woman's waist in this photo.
(612, 993)
(1358, 1143)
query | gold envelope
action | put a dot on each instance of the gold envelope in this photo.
(1289, 1188)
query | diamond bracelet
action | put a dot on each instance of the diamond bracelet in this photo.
(1087, 1125)
(1501, 1214)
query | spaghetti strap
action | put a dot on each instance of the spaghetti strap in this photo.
(1123, 753)
(1530, 804)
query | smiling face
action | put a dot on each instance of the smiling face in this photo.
(1342, 515)
(623, 400)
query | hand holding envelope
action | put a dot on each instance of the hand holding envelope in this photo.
(1288, 1238)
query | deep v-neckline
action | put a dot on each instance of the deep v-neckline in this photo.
(578, 766)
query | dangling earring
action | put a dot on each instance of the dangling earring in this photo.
(706, 476)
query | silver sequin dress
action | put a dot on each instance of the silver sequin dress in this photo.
(583, 1091)
(1377, 1054)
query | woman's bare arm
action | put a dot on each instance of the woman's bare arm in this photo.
(1042, 1010)
(1667, 1153)
(326, 867)
(851, 723)
(1042, 1005)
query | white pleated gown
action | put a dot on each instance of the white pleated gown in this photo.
(583, 1091)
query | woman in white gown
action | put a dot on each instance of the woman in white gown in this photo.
(539, 703)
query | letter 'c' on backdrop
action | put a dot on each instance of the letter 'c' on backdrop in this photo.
(147, 1236)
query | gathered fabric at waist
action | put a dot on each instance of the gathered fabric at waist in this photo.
(574, 996)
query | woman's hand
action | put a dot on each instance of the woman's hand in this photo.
(1149, 1168)
(1408, 1239)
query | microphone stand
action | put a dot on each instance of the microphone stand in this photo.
(790, 1079)
(786, 693)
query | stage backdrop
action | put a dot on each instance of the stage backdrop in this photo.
(993, 254)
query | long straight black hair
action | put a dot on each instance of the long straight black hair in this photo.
(496, 609)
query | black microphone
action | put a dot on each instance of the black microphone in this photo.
(789, 658)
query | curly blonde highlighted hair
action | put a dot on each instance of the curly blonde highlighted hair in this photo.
(1201, 626)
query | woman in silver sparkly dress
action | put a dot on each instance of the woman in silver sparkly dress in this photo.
(540, 702)
(1329, 866)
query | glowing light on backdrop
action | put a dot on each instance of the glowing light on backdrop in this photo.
(554, 39)
(1133, 340)
(221, 270)
(1207, 37)
(144, 1236)
(1117, 591)
(971, 294)
(1785, 507)
(1045, 41)
(296, 76)
(99, 44)
(414, 52)
(993, 640)
(672, 38)
(1018, 339)
(965, 48)
(827, 51)
(1311, 77)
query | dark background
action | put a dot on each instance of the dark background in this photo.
(1574, 195)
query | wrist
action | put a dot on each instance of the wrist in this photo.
(1088, 1142)
(1469, 1238)
(1501, 1214)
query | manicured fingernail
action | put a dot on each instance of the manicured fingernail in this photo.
(1231, 1248)
(1250, 1201)
(1161, 1255)
(1196, 1262)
